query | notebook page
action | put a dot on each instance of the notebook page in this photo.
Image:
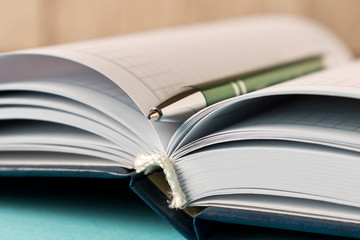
(327, 121)
(341, 81)
(324, 112)
(32, 135)
(150, 66)
(271, 168)
(53, 161)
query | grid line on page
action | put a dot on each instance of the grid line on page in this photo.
(335, 120)
(160, 74)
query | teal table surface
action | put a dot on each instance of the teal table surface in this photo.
(68, 208)
(44, 208)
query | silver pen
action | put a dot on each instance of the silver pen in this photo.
(191, 99)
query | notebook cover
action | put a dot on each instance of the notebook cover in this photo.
(63, 171)
(147, 191)
(203, 220)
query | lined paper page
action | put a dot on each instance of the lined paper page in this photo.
(150, 66)
(341, 81)
(108, 88)
(320, 120)
(324, 112)
(336, 120)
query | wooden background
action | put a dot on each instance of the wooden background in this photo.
(30, 23)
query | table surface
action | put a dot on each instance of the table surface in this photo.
(67, 208)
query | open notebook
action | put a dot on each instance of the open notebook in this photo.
(288, 150)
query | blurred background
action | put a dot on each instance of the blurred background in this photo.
(32, 23)
(27, 208)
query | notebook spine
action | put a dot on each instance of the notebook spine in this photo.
(152, 196)
(148, 163)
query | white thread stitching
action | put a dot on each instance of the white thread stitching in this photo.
(151, 162)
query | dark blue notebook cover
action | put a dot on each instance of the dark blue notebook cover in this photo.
(181, 221)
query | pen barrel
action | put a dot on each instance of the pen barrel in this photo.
(219, 93)
(242, 84)
(281, 74)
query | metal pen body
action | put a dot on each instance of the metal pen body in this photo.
(179, 106)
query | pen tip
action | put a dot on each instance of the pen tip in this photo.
(154, 115)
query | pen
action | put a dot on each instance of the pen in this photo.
(190, 99)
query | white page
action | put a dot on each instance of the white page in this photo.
(43, 136)
(75, 81)
(271, 168)
(36, 99)
(340, 81)
(343, 81)
(128, 116)
(74, 149)
(52, 161)
(311, 119)
(43, 114)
